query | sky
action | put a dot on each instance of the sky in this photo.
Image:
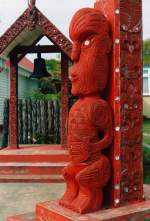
(58, 11)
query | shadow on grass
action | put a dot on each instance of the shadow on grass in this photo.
(146, 165)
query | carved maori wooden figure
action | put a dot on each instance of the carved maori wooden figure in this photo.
(31, 4)
(32, 14)
(90, 119)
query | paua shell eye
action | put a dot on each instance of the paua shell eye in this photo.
(87, 42)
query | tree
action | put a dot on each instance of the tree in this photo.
(53, 66)
(146, 52)
(49, 88)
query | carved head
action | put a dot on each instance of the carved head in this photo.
(89, 31)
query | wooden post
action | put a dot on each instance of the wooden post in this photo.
(13, 111)
(125, 96)
(64, 99)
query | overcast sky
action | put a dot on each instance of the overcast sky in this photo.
(58, 11)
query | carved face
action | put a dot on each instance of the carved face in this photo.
(91, 45)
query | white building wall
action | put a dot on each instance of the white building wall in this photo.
(146, 80)
(25, 85)
(4, 87)
(146, 91)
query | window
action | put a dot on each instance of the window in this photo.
(145, 85)
(146, 81)
(145, 71)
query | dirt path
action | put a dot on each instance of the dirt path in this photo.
(19, 198)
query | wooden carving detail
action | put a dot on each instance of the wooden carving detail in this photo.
(131, 101)
(31, 4)
(30, 19)
(13, 31)
(125, 97)
(90, 118)
(51, 31)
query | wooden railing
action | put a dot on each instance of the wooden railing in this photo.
(38, 122)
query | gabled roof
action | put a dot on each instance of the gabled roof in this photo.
(28, 29)
(24, 63)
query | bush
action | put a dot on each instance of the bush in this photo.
(146, 165)
(43, 138)
(37, 95)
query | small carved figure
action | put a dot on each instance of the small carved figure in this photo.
(31, 4)
(32, 14)
(90, 119)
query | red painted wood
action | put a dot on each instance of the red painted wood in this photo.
(35, 163)
(90, 118)
(113, 93)
(35, 154)
(13, 111)
(52, 211)
(23, 217)
(125, 97)
(64, 99)
(43, 168)
(32, 178)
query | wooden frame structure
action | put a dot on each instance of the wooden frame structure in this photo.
(20, 39)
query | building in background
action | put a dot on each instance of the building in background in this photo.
(146, 91)
(25, 84)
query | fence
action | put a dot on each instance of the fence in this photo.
(38, 122)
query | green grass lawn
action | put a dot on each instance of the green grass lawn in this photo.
(146, 131)
(146, 140)
(146, 165)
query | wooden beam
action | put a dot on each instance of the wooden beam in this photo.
(13, 109)
(64, 98)
(37, 49)
(20, 56)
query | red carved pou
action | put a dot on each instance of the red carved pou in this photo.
(90, 120)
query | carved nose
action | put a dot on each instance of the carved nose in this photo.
(72, 74)
(75, 52)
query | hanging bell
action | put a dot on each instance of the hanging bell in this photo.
(39, 68)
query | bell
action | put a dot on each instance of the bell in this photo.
(39, 68)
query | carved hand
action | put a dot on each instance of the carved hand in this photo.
(103, 143)
(79, 151)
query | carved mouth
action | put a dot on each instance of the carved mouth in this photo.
(70, 78)
(73, 78)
